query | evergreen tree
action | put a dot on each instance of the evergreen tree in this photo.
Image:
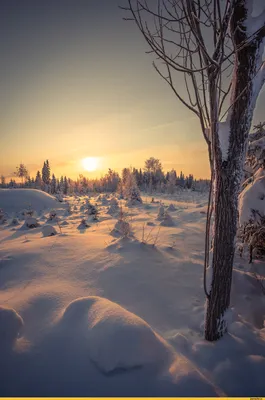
(53, 184)
(46, 173)
(38, 181)
(65, 186)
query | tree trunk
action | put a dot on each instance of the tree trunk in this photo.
(228, 170)
(225, 224)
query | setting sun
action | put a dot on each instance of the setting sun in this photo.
(90, 163)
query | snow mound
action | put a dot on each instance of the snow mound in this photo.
(15, 200)
(11, 324)
(114, 337)
(252, 199)
(48, 230)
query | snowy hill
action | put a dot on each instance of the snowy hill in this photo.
(16, 200)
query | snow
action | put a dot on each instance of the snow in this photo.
(153, 293)
(48, 230)
(167, 220)
(224, 133)
(252, 198)
(10, 326)
(15, 200)
(115, 338)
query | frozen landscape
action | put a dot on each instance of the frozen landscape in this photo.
(113, 304)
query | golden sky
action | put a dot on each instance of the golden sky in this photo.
(76, 83)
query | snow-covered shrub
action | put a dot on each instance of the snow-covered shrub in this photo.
(31, 222)
(167, 220)
(161, 212)
(48, 230)
(252, 215)
(83, 224)
(171, 207)
(14, 221)
(114, 337)
(11, 324)
(59, 197)
(131, 190)
(123, 225)
(52, 215)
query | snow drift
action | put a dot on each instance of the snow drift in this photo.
(10, 325)
(115, 338)
(15, 200)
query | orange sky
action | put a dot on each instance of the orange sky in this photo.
(76, 83)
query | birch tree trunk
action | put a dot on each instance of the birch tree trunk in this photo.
(228, 166)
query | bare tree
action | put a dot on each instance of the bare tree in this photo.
(21, 172)
(217, 46)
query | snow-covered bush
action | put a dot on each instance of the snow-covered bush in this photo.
(11, 324)
(161, 212)
(31, 222)
(60, 197)
(52, 215)
(171, 207)
(167, 220)
(123, 225)
(114, 337)
(252, 215)
(48, 230)
(83, 224)
(131, 190)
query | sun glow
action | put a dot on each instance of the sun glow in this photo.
(90, 163)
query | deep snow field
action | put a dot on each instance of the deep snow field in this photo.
(144, 335)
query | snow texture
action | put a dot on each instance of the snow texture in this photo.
(116, 338)
(15, 200)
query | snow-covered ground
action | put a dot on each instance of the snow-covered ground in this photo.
(147, 340)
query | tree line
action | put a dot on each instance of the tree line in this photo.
(150, 179)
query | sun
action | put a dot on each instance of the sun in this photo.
(90, 163)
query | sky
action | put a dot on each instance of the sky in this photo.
(76, 82)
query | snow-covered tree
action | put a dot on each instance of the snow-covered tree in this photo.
(65, 185)
(38, 180)
(171, 181)
(131, 190)
(53, 184)
(3, 181)
(204, 41)
(21, 172)
(46, 173)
